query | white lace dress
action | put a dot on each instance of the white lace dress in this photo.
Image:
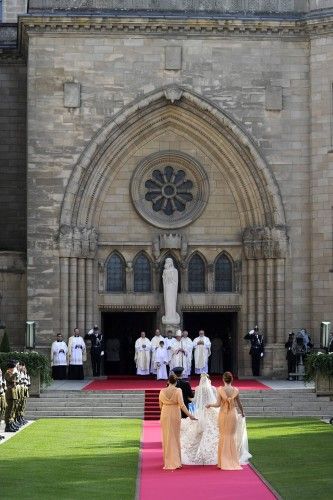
(199, 438)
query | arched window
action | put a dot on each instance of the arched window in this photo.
(115, 274)
(223, 274)
(142, 274)
(196, 274)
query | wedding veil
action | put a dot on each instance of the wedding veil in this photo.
(205, 393)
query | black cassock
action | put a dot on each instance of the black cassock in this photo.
(256, 349)
(187, 393)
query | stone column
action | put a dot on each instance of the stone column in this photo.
(89, 299)
(279, 300)
(210, 278)
(64, 296)
(72, 293)
(81, 299)
(260, 293)
(251, 294)
(270, 294)
(129, 277)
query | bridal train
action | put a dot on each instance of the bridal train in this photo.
(199, 439)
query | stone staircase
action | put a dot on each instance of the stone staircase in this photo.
(132, 404)
(286, 403)
(101, 404)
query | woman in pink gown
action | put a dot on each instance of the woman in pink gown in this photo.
(171, 402)
(227, 398)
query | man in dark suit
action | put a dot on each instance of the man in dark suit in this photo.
(256, 349)
(188, 394)
(97, 349)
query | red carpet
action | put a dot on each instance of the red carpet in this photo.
(131, 383)
(194, 482)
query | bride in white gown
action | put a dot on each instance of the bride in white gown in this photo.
(199, 439)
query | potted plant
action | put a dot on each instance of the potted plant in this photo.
(319, 368)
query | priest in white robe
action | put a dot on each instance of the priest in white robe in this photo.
(154, 344)
(142, 354)
(59, 358)
(161, 361)
(201, 346)
(188, 345)
(77, 354)
(168, 343)
(178, 352)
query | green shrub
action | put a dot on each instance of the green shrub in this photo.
(318, 363)
(34, 362)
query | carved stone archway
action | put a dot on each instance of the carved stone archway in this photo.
(234, 153)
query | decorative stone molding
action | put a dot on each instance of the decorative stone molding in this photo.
(189, 27)
(173, 93)
(77, 241)
(265, 242)
(170, 210)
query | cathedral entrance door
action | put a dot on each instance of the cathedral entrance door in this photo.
(121, 329)
(221, 328)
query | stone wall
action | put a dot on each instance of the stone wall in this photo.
(236, 75)
(13, 156)
(321, 60)
(11, 9)
(13, 296)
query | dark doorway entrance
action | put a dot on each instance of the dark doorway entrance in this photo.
(121, 329)
(217, 326)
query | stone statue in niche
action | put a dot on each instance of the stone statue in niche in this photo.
(170, 289)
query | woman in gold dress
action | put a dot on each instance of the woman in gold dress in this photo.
(227, 399)
(171, 402)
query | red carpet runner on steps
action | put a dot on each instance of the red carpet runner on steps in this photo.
(130, 383)
(193, 482)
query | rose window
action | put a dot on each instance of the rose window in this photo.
(168, 190)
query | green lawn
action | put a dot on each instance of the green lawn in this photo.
(294, 455)
(68, 459)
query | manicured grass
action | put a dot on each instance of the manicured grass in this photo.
(294, 455)
(68, 459)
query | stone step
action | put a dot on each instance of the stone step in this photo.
(84, 413)
(67, 402)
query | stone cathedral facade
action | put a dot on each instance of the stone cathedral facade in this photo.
(138, 130)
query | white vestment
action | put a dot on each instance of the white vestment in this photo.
(188, 344)
(161, 360)
(216, 361)
(201, 354)
(178, 357)
(168, 343)
(199, 439)
(76, 350)
(59, 353)
(142, 356)
(154, 344)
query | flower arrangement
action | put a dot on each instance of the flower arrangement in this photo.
(34, 361)
(318, 363)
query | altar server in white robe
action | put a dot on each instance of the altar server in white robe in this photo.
(161, 361)
(59, 358)
(201, 346)
(154, 344)
(77, 354)
(188, 345)
(179, 354)
(142, 354)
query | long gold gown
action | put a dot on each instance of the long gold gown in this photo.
(171, 402)
(227, 458)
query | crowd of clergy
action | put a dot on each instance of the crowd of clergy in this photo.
(162, 354)
(14, 391)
